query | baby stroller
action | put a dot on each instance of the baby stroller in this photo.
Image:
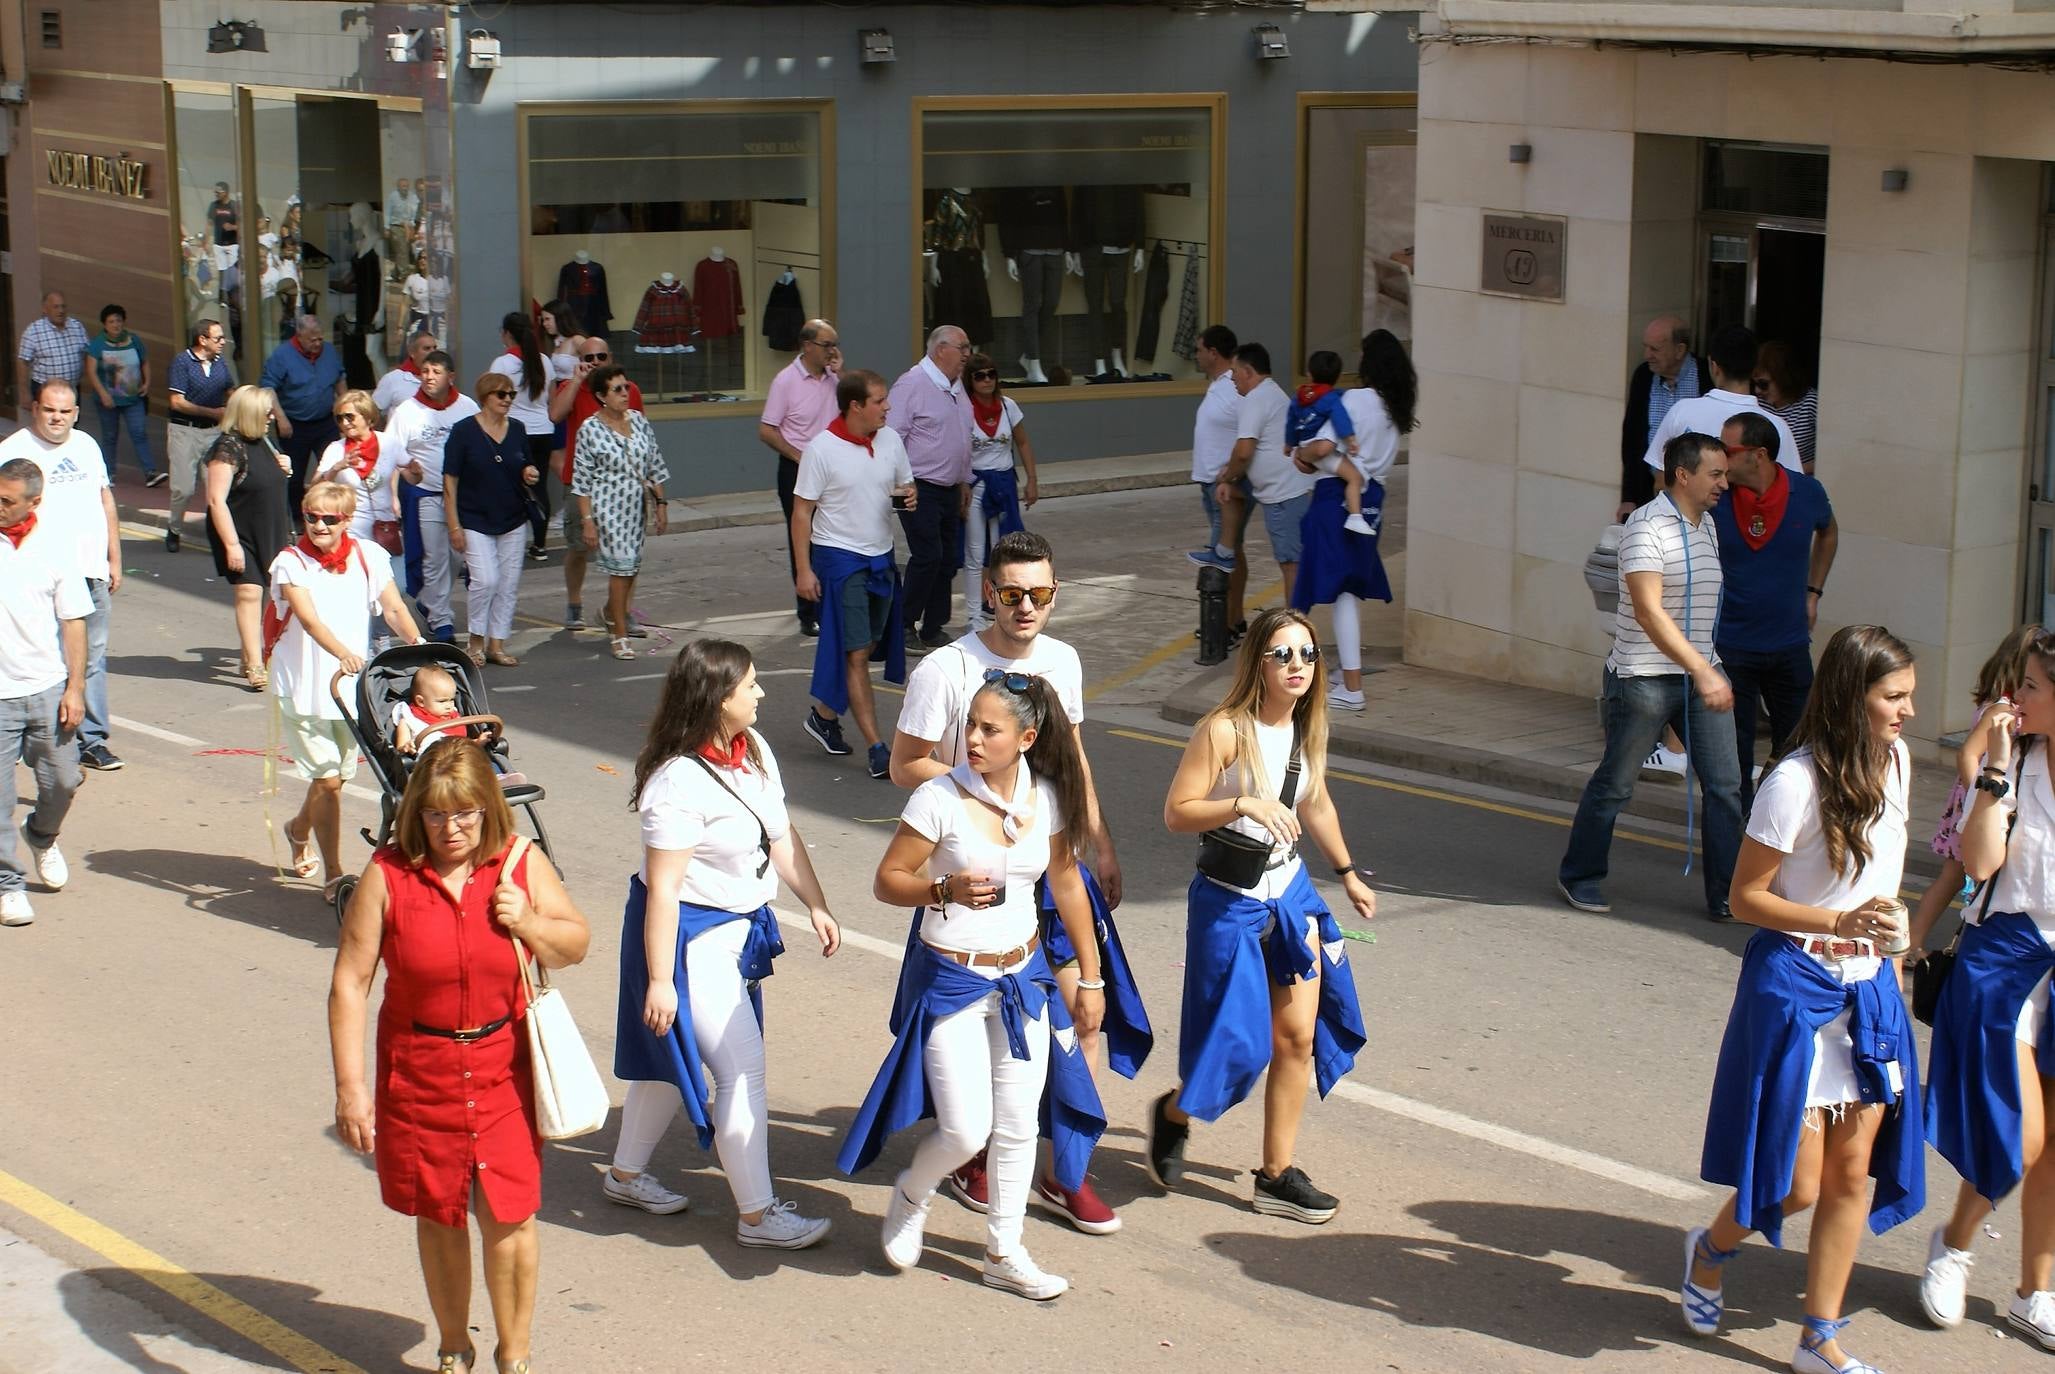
(382, 686)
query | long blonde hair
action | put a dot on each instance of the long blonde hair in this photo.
(1245, 697)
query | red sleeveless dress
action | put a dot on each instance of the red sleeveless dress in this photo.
(449, 1110)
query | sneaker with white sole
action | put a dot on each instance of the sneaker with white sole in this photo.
(1356, 524)
(47, 863)
(644, 1192)
(1661, 760)
(905, 1229)
(782, 1228)
(1016, 1273)
(1342, 699)
(1944, 1287)
(2034, 1315)
(15, 909)
(1291, 1194)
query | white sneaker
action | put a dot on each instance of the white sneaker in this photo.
(906, 1223)
(47, 862)
(1016, 1273)
(2035, 1315)
(644, 1192)
(782, 1228)
(1342, 699)
(1661, 760)
(1356, 524)
(1944, 1287)
(15, 909)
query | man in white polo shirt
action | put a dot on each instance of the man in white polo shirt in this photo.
(43, 610)
(1282, 492)
(851, 478)
(419, 424)
(1663, 670)
(1731, 355)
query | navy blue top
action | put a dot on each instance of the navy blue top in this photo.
(1764, 606)
(490, 494)
(208, 389)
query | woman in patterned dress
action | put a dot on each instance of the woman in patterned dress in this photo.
(617, 472)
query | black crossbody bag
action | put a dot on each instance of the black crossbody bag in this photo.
(1226, 855)
(1930, 974)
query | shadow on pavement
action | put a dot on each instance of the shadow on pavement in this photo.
(223, 885)
(212, 667)
(375, 1340)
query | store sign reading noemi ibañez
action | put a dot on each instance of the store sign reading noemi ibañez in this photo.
(107, 176)
(1523, 255)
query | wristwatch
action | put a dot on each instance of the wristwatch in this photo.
(1997, 787)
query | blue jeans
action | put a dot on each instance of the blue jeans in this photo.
(29, 734)
(1779, 679)
(1636, 710)
(93, 729)
(136, 419)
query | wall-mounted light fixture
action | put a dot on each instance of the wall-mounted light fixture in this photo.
(399, 45)
(481, 50)
(236, 35)
(876, 45)
(1520, 152)
(1270, 42)
(1896, 178)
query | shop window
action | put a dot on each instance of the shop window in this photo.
(691, 235)
(1355, 264)
(1075, 241)
(209, 213)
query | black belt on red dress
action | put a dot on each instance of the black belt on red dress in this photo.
(475, 1033)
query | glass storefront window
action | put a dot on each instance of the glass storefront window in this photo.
(209, 215)
(692, 235)
(1356, 222)
(1074, 241)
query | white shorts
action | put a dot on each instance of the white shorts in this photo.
(1833, 1081)
(2033, 1017)
(320, 748)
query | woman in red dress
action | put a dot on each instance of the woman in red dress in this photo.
(454, 1097)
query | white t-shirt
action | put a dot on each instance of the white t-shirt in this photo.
(939, 812)
(939, 692)
(684, 808)
(1708, 414)
(994, 452)
(421, 431)
(424, 733)
(1377, 438)
(416, 287)
(2026, 881)
(1274, 477)
(394, 387)
(35, 593)
(1275, 743)
(345, 603)
(1215, 428)
(374, 504)
(851, 488)
(531, 411)
(71, 516)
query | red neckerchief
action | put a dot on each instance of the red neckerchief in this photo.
(988, 415)
(434, 718)
(841, 431)
(329, 562)
(407, 365)
(17, 533)
(362, 455)
(736, 754)
(302, 349)
(1759, 516)
(445, 403)
(1312, 391)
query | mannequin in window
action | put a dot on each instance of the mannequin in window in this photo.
(1034, 235)
(664, 322)
(784, 313)
(1106, 226)
(717, 294)
(582, 285)
(953, 245)
(367, 284)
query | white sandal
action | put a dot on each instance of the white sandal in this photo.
(622, 651)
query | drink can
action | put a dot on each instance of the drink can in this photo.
(1901, 942)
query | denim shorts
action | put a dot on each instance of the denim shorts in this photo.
(1282, 520)
(863, 614)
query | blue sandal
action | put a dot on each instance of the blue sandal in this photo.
(1807, 1358)
(1703, 1307)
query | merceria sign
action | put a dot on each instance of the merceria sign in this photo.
(107, 176)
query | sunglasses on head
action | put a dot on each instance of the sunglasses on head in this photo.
(1281, 654)
(985, 374)
(322, 517)
(1010, 596)
(1016, 683)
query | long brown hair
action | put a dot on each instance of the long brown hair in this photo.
(1245, 697)
(705, 673)
(455, 775)
(2002, 671)
(1849, 764)
(1054, 756)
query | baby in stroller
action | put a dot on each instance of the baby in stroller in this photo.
(430, 715)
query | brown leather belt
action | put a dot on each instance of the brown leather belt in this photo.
(1835, 949)
(474, 1033)
(1003, 959)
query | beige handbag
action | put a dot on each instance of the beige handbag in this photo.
(570, 1096)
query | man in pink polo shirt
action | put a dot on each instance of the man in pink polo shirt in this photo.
(799, 405)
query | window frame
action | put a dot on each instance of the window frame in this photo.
(1308, 102)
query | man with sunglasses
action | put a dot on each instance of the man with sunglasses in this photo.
(800, 404)
(571, 407)
(421, 425)
(1020, 583)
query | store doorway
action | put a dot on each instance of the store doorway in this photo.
(1762, 244)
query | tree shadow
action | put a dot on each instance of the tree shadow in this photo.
(377, 1340)
(228, 886)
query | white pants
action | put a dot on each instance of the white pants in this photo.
(435, 564)
(725, 1023)
(982, 1093)
(980, 531)
(1348, 631)
(495, 564)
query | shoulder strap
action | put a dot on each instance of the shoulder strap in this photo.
(1290, 790)
(763, 833)
(2026, 747)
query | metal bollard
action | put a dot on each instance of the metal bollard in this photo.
(1212, 616)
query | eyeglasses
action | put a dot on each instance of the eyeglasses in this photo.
(612, 387)
(322, 517)
(1016, 683)
(827, 345)
(985, 374)
(594, 357)
(1010, 596)
(1281, 654)
(442, 820)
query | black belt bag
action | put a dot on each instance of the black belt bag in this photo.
(1226, 855)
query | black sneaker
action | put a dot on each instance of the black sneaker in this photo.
(827, 731)
(156, 479)
(1165, 1157)
(880, 759)
(99, 756)
(811, 629)
(1291, 1194)
(171, 541)
(935, 639)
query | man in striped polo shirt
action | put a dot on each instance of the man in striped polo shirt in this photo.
(1662, 671)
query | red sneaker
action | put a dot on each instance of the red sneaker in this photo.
(1082, 1209)
(968, 1183)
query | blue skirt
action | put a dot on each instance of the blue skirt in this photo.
(1129, 1037)
(1333, 560)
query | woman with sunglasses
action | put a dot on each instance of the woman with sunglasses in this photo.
(571, 407)
(1266, 981)
(979, 1018)
(998, 438)
(324, 590)
(488, 471)
(617, 483)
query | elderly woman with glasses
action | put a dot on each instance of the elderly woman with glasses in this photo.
(448, 907)
(998, 441)
(488, 474)
(571, 407)
(617, 484)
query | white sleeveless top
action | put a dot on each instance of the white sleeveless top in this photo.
(1275, 743)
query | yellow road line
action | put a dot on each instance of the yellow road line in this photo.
(203, 1297)
(1162, 654)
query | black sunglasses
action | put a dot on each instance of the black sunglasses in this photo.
(1016, 683)
(985, 374)
(1282, 653)
(322, 517)
(594, 357)
(1010, 596)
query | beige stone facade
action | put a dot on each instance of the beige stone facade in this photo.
(1929, 351)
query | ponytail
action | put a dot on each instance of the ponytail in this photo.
(1054, 757)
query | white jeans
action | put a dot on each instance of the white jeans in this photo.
(495, 564)
(979, 533)
(1348, 631)
(435, 564)
(725, 1023)
(982, 1093)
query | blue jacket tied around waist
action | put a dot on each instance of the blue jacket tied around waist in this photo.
(1973, 1102)
(640, 1054)
(931, 988)
(1126, 1029)
(833, 567)
(1001, 498)
(1782, 999)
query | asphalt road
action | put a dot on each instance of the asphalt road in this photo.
(1516, 1151)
